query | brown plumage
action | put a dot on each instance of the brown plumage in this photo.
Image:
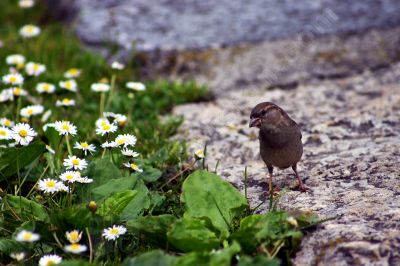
(280, 138)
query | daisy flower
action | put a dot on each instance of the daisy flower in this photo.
(101, 121)
(134, 167)
(26, 3)
(65, 102)
(17, 92)
(73, 236)
(70, 176)
(31, 110)
(84, 180)
(50, 185)
(44, 87)
(13, 79)
(34, 69)
(125, 140)
(85, 147)
(106, 128)
(65, 128)
(137, 86)
(6, 95)
(73, 162)
(72, 73)
(121, 120)
(27, 236)
(100, 87)
(18, 256)
(199, 154)
(6, 122)
(75, 248)
(109, 145)
(48, 260)
(117, 65)
(23, 134)
(114, 232)
(129, 153)
(5, 133)
(70, 85)
(29, 31)
(15, 59)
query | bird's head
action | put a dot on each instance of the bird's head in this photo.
(265, 114)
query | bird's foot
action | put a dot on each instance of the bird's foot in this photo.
(302, 188)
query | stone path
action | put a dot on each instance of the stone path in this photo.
(351, 161)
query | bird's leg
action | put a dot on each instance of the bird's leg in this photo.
(301, 185)
(270, 171)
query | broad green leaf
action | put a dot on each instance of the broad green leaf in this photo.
(113, 186)
(139, 203)
(154, 228)
(115, 204)
(52, 136)
(77, 216)
(207, 195)
(13, 158)
(151, 258)
(222, 257)
(150, 174)
(258, 261)
(26, 209)
(8, 245)
(192, 234)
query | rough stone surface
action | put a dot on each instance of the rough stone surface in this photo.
(351, 135)
(167, 24)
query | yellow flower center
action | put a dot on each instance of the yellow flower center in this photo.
(3, 133)
(7, 123)
(134, 166)
(84, 145)
(50, 262)
(24, 119)
(65, 127)
(73, 71)
(114, 231)
(75, 246)
(74, 236)
(17, 91)
(29, 29)
(75, 161)
(106, 126)
(46, 87)
(36, 67)
(121, 141)
(69, 177)
(68, 85)
(29, 111)
(23, 133)
(51, 183)
(13, 79)
(66, 101)
(27, 236)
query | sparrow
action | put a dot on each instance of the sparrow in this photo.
(280, 139)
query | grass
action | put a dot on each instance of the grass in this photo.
(174, 214)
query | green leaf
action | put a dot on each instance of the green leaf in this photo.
(258, 261)
(152, 258)
(52, 136)
(150, 174)
(12, 158)
(75, 263)
(192, 234)
(222, 257)
(207, 195)
(154, 228)
(115, 204)
(139, 203)
(113, 186)
(26, 209)
(8, 245)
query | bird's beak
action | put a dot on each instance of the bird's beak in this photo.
(255, 122)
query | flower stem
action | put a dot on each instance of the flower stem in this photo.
(68, 145)
(90, 246)
(102, 100)
(18, 108)
(113, 78)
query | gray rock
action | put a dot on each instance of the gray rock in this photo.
(175, 25)
(351, 135)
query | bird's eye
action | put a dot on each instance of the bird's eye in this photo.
(263, 112)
